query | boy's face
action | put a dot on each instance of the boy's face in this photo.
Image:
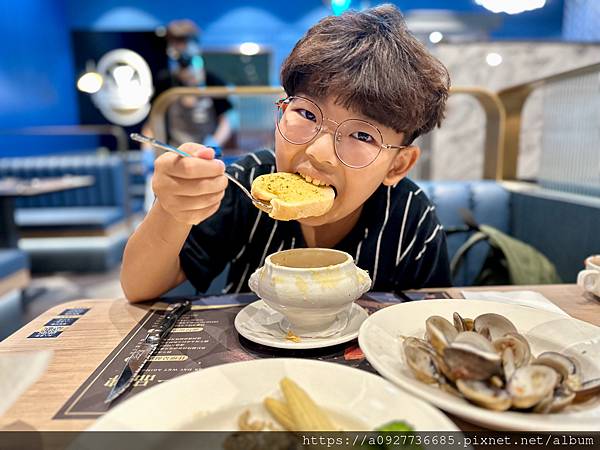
(317, 159)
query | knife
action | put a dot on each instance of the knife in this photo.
(140, 357)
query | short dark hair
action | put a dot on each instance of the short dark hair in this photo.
(372, 64)
(181, 30)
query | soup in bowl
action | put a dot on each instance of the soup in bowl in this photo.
(310, 286)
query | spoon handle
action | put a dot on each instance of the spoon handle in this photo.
(148, 140)
(265, 206)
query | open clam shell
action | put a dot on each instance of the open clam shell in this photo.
(439, 332)
(419, 357)
(530, 385)
(471, 356)
(496, 325)
(565, 366)
(485, 394)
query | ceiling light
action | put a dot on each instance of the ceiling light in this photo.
(436, 37)
(90, 82)
(511, 6)
(493, 59)
(249, 48)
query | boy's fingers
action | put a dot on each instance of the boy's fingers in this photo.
(190, 168)
(191, 147)
(193, 187)
(197, 150)
(199, 202)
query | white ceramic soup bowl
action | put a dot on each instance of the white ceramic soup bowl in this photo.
(310, 286)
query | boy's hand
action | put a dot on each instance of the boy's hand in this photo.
(189, 189)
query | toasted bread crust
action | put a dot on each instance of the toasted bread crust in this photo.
(291, 196)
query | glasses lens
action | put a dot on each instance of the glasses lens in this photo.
(357, 143)
(299, 120)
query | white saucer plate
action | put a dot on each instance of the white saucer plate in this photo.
(380, 341)
(260, 323)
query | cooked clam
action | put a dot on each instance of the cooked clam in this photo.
(484, 394)
(530, 385)
(564, 365)
(496, 324)
(490, 364)
(440, 333)
(560, 398)
(508, 363)
(420, 359)
(519, 346)
(515, 352)
(471, 356)
(459, 322)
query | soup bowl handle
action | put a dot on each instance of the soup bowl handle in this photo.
(254, 279)
(364, 280)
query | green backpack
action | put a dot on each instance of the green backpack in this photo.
(509, 261)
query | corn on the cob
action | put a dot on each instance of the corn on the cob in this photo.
(307, 415)
(280, 412)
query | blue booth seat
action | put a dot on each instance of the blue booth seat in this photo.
(68, 218)
(487, 200)
(99, 211)
(94, 207)
(14, 276)
(11, 262)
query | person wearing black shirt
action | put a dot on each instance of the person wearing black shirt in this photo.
(191, 118)
(360, 88)
(397, 236)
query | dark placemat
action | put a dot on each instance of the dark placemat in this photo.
(202, 338)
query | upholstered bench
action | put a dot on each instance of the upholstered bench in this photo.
(14, 276)
(83, 229)
(489, 203)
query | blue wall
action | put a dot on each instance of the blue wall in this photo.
(37, 83)
(36, 75)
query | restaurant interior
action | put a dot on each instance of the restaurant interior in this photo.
(513, 173)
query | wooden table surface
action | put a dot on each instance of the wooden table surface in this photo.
(84, 345)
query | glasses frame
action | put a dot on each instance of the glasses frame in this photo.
(335, 132)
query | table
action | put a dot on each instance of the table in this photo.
(10, 188)
(80, 350)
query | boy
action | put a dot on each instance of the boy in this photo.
(360, 89)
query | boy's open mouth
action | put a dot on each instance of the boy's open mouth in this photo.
(317, 182)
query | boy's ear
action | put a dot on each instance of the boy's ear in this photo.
(404, 160)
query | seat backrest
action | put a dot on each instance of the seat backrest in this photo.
(487, 200)
(108, 172)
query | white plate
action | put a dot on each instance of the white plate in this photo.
(379, 339)
(213, 398)
(260, 323)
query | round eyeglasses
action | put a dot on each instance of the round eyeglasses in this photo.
(357, 143)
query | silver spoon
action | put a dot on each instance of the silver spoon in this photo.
(260, 204)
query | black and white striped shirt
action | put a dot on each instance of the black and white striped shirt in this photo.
(397, 238)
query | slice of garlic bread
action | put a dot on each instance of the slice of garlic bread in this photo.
(291, 196)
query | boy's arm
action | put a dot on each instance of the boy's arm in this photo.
(151, 260)
(188, 191)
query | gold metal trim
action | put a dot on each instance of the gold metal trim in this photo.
(160, 106)
(489, 101)
(493, 156)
